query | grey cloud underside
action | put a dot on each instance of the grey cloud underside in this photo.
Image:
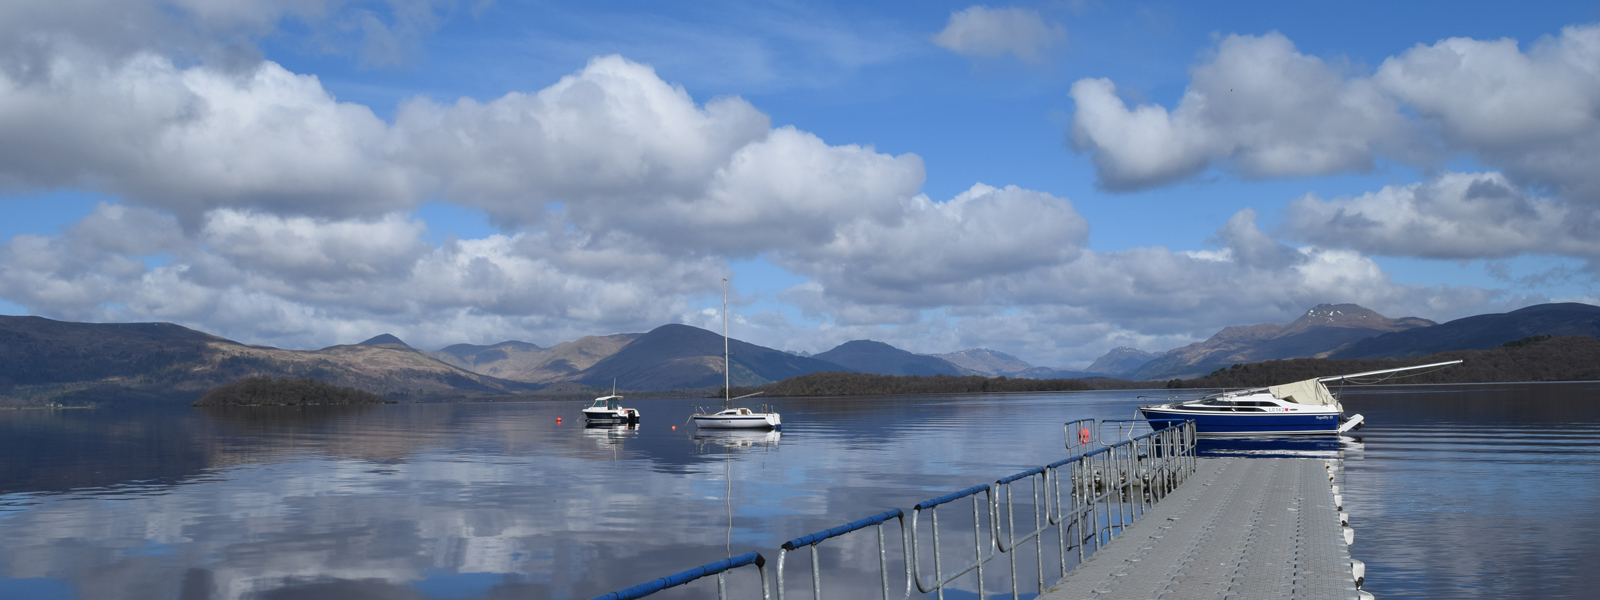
(1457, 216)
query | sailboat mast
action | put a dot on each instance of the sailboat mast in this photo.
(1354, 375)
(727, 379)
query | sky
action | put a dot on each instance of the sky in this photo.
(1050, 180)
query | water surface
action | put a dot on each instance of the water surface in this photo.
(1467, 491)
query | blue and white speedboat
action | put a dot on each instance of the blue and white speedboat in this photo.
(1299, 408)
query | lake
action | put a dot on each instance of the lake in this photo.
(1484, 491)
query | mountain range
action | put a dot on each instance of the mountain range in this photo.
(879, 358)
(522, 361)
(44, 361)
(1480, 332)
(1321, 330)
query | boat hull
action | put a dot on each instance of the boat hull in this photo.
(757, 421)
(612, 418)
(1229, 424)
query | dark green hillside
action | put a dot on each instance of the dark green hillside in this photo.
(266, 391)
(1572, 358)
(36, 351)
(681, 356)
(1480, 332)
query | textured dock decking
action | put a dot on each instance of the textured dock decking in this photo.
(1240, 528)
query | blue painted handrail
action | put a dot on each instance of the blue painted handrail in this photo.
(1055, 517)
(1027, 473)
(645, 589)
(807, 540)
(927, 504)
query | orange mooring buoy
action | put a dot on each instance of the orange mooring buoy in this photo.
(558, 419)
(674, 427)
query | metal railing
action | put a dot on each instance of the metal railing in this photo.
(719, 568)
(811, 542)
(1107, 489)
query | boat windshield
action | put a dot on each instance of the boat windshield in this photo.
(599, 404)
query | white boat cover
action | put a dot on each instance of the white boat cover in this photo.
(1310, 392)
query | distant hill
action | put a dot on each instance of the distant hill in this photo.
(983, 361)
(1481, 332)
(498, 360)
(867, 356)
(1122, 360)
(43, 361)
(1536, 358)
(1049, 373)
(386, 340)
(1321, 330)
(522, 361)
(681, 356)
(566, 361)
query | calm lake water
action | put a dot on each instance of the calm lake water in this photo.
(1454, 491)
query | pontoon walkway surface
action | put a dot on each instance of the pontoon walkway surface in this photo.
(1239, 528)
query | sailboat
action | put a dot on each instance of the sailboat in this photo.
(1299, 408)
(730, 417)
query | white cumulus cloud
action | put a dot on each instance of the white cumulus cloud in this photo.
(1260, 107)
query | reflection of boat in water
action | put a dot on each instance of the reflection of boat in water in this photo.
(739, 438)
(609, 430)
(730, 417)
(1299, 408)
(610, 436)
(1298, 446)
(608, 410)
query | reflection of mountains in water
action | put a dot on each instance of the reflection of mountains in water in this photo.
(736, 438)
(1309, 446)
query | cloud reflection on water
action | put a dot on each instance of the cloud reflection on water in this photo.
(498, 500)
(454, 500)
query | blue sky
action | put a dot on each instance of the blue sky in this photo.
(1049, 179)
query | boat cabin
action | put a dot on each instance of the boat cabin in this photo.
(608, 403)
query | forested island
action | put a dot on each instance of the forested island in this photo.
(1536, 358)
(267, 391)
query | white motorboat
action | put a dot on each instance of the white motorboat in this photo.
(1299, 408)
(608, 410)
(730, 417)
